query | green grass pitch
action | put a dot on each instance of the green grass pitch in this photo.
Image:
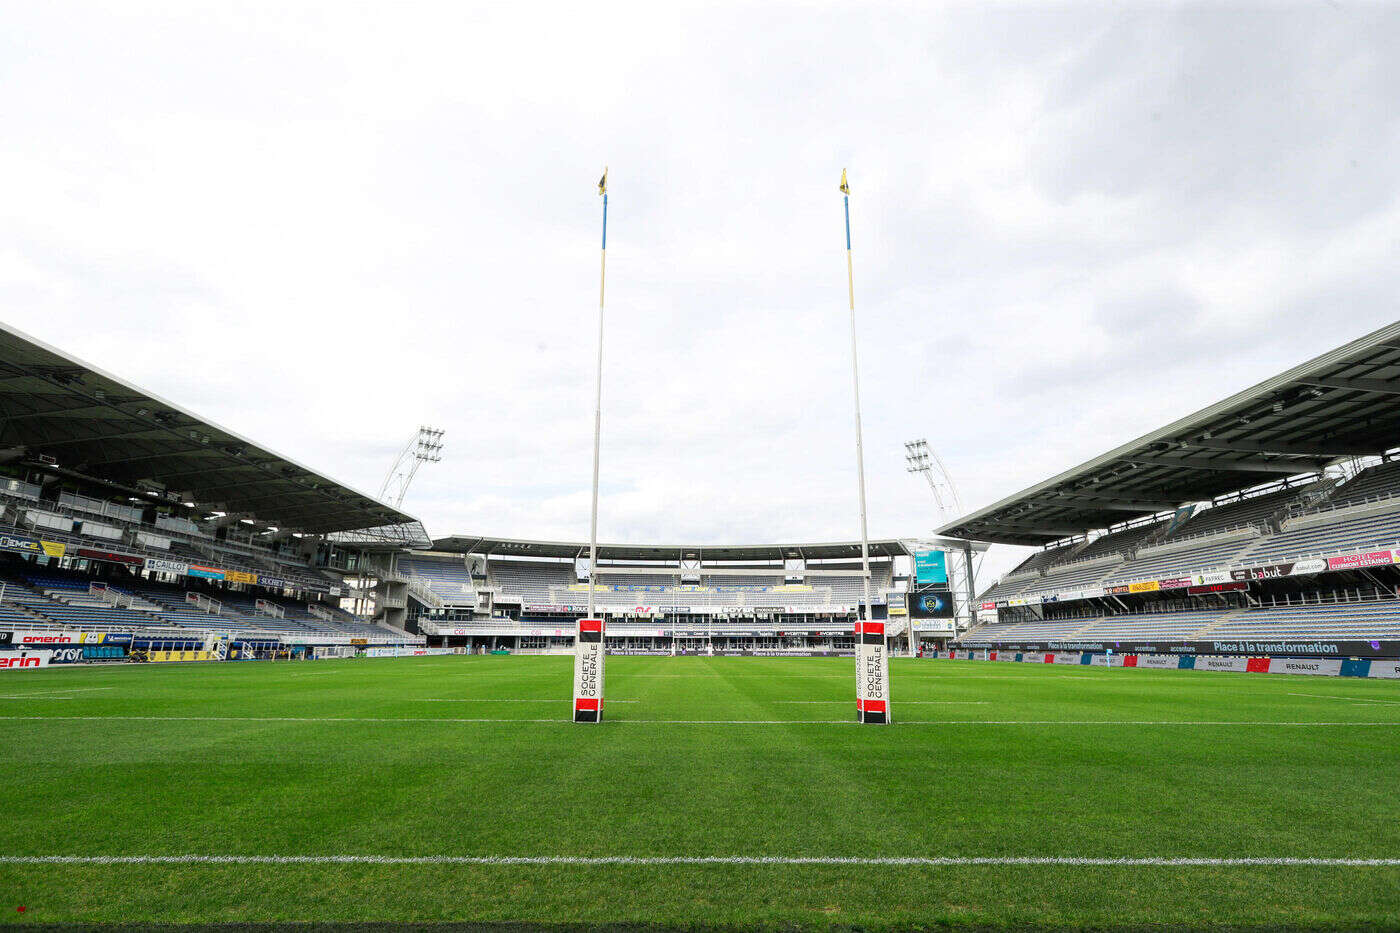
(474, 756)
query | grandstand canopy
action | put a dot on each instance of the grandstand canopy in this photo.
(711, 553)
(1342, 404)
(64, 416)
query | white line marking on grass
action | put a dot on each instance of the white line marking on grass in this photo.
(1327, 696)
(900, 702)
(67, 690)
(645, 860)
(707, 722)
(607, 702)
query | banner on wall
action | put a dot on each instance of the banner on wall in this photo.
(51, 637)
(19, 543)
(161, 565)
(207, 573)
(1268, 647)
(1386, 669)
(1207, 589)
(1270, 571)
(1357, 561)
(1326, 666)
(239, 576)
(24, 660)
(1216, 576)
(1209, 662)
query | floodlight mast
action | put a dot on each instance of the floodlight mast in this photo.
(423, 447)
(922, 459)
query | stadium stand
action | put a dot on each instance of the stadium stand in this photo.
(1355, 620)
(114, 504)
(1374, 483)
(1313, 552)
(1359, 527)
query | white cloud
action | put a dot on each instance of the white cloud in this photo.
(323, 225)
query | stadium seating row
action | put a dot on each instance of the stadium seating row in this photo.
(555, 583)
(1378, 619)
(1362, 521)
(41, 597)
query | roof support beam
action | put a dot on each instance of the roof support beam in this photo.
(993, 526)
(1276, 467)
(1282, 447)
(1106, 502)
(141, 432)
(1354, 383)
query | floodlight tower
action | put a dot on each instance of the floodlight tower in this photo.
(423, 447)
(922, 459)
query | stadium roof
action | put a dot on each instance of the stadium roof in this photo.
(1343, 404)
(95, 425)
(514, 547)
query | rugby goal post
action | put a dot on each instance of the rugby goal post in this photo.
(588, 670)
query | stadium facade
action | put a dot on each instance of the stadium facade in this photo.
(132, 526)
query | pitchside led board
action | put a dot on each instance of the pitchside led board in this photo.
(872, 673)
(588, 671)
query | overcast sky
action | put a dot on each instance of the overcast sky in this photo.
(321, 226)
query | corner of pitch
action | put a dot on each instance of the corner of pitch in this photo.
(872, 673)
(588, 671)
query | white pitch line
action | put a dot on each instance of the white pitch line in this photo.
(607, 702)
(703, 860)
(1327, 696)
(393, 720)
(899, 702)
(53, 694)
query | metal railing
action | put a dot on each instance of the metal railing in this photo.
(420, 589)
(110, 595)
(1343, 505)
(206, 603)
